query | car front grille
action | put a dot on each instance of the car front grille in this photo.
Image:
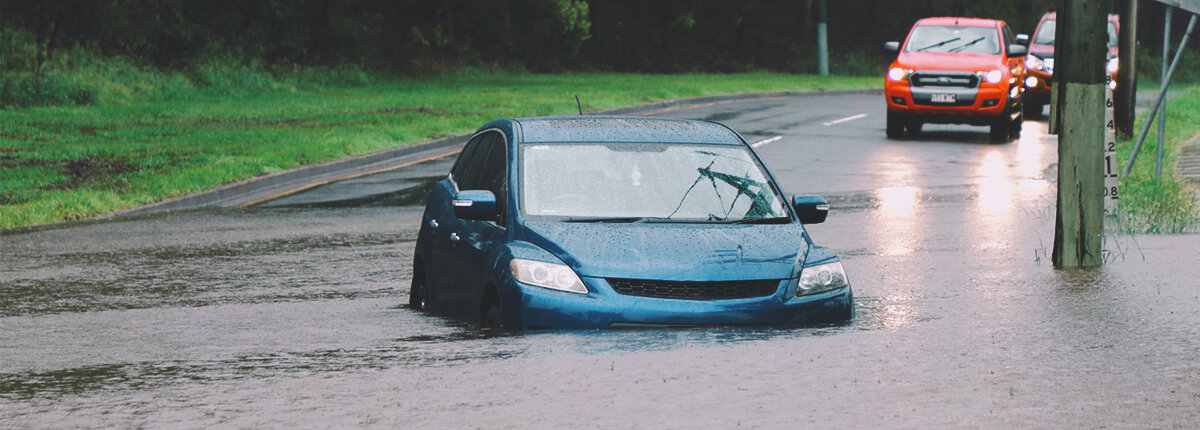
(695, 290)
(943, 79)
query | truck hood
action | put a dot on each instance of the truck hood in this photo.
(675, 251)
(949, 61)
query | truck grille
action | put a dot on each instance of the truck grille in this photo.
(695, 290)
(944, 79)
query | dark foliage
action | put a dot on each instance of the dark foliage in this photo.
(415, 36)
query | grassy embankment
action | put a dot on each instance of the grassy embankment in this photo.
(1166, 205)
(159, 136)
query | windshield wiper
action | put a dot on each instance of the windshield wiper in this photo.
(621, 220)
(965, 45)
(774, 220)
(938, 44)
(625, 219)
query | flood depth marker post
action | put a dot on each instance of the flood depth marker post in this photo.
(1111, 194)
(1080, 50)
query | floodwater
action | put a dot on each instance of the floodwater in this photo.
(292, 316)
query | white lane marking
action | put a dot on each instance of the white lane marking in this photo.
(849, 118)
(765, 141)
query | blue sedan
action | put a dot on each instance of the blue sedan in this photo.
(599, 222)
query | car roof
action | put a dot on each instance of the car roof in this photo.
(968, 22)
(623, 129)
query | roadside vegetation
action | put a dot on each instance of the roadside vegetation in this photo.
(149, 136)
(1167, 204)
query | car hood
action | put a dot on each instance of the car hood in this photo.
(675, 251)
(1044, 51)
(949, 61)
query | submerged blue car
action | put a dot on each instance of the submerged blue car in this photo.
(598, 222)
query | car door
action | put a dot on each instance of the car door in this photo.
(443, 274)
(477, 239)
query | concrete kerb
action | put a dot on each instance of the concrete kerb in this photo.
(262, 188)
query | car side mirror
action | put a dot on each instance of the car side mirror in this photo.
(1017, 51)
(477, 205)
(892, 47)
(1023, 39)
(812, 209)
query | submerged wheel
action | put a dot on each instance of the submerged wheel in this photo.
(493, 317)
(895, 126)
(418, 294)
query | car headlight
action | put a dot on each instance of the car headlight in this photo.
(1113, 65)
(821, 278)
(1035, 63)
(547, 275)
(1049, 62)
(991, 76)
(897, 74)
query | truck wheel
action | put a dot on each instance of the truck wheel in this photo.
(1014, 129)
(913, 127)
(1000, 129)
(895, 126)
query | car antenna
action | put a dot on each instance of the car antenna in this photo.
(579, 105)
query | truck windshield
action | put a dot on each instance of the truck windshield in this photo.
(953, 38)
(646, 182)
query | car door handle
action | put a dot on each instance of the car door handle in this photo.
(454, 237)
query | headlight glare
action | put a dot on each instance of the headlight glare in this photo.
(547, 275)
(818, 279)
(1113, 65)
(993, 76)
(897, 74)
(1033, 62)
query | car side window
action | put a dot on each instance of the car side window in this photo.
(1008, 37)
(494, 174)
(461, 167)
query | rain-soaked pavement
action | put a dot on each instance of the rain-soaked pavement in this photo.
(290, 314)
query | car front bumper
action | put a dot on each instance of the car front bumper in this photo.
(602, 308)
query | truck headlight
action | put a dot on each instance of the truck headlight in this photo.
(991, 76)
(897, 74)
(821, 278)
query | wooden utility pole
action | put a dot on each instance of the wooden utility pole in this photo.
(1125, 96)
(1080, 48)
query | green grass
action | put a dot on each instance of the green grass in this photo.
(1166, 205)
(156, 136)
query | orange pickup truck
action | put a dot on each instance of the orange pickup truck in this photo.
(956, 71)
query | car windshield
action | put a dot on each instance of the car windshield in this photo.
(953, 38)
(1045, 34)
(646, 182)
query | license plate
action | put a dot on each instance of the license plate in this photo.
(944, 98)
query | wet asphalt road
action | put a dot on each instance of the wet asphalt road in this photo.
(290, 314)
